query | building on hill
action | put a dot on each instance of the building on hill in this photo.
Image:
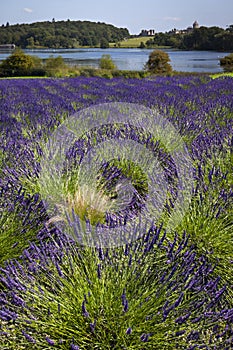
(187, 30)
(151, 32)
(196, 25)
(145, 32)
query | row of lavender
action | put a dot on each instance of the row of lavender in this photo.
(162, 292)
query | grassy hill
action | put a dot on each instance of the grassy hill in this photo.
(132, 42)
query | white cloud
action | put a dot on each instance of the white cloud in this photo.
(176, 19)
(26, 9)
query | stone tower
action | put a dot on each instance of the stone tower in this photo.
(196, 25)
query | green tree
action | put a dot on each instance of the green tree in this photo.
(142, 45)
(17, 64)
(106, 62)
(30, 42)
(104, 44)
(158, 63)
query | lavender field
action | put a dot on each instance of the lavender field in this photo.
(165, 289)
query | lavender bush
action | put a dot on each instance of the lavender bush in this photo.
(155, 291)
(166, 290)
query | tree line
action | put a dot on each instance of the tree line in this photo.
(203, 38)
(19, 64)
(61, 34)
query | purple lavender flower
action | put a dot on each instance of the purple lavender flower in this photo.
(129, 331)
(145, 337)
(49, 341)
(179, 333)
(84, 310)
(99, 271)
(126, 306)
(92, 326)
(29, 338)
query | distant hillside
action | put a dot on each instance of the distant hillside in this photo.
(61, 34)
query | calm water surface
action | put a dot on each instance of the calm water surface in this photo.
(134, 59)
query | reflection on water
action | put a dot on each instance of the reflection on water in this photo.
(133, 59)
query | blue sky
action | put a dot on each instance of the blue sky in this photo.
(161, 15)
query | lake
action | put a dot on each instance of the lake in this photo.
(134, 59)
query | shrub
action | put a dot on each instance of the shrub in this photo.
(88, 72)
(106, 62)
(130, 74)
(158, 63)
(38, 72)
(20, 64)
(54, 66)
(227, 63)
(104, 73)
(17, 64)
